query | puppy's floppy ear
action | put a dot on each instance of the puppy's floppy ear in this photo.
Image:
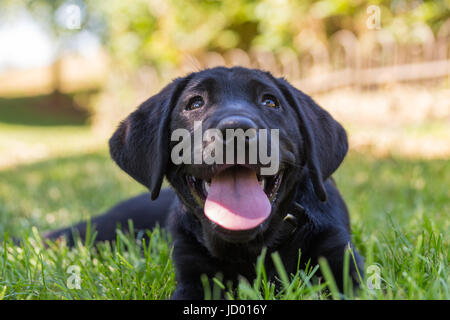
(140, 145)
(325, 140)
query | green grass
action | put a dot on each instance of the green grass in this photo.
(400, 219)
(42, 111)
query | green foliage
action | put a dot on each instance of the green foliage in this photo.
(160, 32)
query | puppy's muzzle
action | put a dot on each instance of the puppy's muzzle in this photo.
(236, 122)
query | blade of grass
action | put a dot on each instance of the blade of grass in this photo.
(328, 275)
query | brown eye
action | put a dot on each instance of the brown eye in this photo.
(195, 103)
(270, 101)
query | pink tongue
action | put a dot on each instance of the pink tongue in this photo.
(236, 201)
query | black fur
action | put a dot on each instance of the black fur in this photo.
(312, 146)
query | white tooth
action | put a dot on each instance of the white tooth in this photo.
(206, 186)
(262, 183)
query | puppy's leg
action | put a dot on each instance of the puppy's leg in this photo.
(331, 245)
(144, 213)
(188, 291)
(191, 260)
(189, 265)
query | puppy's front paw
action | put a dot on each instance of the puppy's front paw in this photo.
(188, 292)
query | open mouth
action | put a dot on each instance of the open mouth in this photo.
(236, 198)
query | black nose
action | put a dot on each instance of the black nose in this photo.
(235, 122)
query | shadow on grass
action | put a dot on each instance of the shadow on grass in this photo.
(44, 110)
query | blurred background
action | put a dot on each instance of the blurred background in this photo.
(380, 67)
(71, 70)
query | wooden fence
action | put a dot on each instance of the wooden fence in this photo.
(375, 58)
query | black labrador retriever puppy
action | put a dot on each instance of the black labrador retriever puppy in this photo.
(222, 215)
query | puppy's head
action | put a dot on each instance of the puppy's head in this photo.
(233, 199)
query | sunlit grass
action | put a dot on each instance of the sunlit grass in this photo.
(399, 211)
(21, 144)
(123, 270)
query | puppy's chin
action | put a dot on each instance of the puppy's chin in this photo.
(232, 245)
(238, 236)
